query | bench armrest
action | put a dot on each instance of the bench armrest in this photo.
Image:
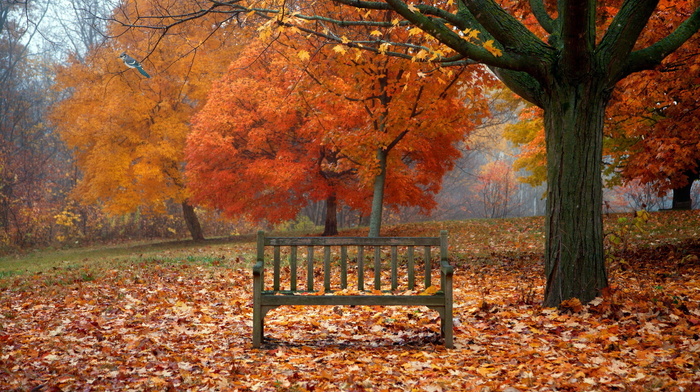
(258, 269)
(258, 277)
(446, 269)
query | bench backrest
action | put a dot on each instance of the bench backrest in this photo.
(346, 246)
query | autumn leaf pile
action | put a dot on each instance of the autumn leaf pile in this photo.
(172, 322)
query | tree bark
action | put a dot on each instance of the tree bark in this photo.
(574, 259)
(331, 226)
(192, 221)
(375, 219)
(363, 219)
(682, 197)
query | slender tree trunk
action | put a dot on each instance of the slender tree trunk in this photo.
(331, 226)
(375, 219)
(574, 259)
(192, 221)
(363, 219)
(342, 217)
(5, 198)
(318, 213)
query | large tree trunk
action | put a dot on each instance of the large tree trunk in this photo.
(192, 221)
(375, 219)
(331, 227)
(682, 197)
(574, 259)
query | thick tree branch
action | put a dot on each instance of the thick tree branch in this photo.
(375, 45)
(367, 5)
(543, 18)
(507, 30)
(652, 56)
(455, 41)
(423, 8)
(522, 84)
(467, 21)
(618, 41)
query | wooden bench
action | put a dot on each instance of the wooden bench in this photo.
(349, 258)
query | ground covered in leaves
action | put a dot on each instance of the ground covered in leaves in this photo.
(176, 321)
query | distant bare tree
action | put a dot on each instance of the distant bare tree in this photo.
(27, 147)
(80, 25)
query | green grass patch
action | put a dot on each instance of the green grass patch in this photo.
(473, 240)
(103, 257)
(8, 273)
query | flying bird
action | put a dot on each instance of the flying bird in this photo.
(132, 63)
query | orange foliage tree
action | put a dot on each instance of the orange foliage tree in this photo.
(128, 133)
(323, 129)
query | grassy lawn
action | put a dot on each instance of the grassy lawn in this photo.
(167, 316)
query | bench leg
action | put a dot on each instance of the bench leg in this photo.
(447, 326)
(259, 313)
(447, 319)
(258, 325)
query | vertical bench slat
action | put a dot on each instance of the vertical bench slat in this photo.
(293, 267)
(411, 269)
(361, 268)
(310, 268)
(443, 256)
(327, 268)
(394, 268)
(276, 269)
(261, 256)
(343, 267)
(258, 287)
(377, 268)
(428, 267)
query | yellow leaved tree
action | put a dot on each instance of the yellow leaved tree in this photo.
(127, 130)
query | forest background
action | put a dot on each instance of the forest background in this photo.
(93, 151)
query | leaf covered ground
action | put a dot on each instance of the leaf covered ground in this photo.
(181, 320)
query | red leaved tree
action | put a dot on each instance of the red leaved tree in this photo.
(654, 119)
(298, 129)
(252, 153)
